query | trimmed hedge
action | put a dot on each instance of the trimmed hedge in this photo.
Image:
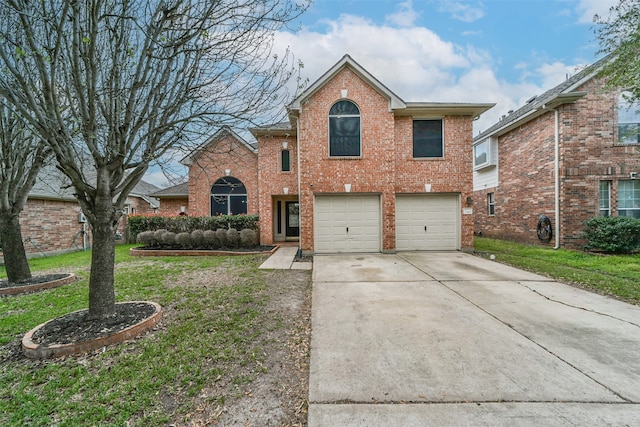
(200, 239)
(613, 234)
(187, 224)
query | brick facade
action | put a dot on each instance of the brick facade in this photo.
(210, 163)
(589, 153)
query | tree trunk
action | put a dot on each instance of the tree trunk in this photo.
(102, 297)
(15, 259)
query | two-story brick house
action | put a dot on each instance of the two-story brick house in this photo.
(569, 154)
(355, 169)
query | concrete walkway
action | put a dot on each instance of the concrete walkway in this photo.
(452, 339)
(283, 259)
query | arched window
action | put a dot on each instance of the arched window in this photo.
(344, 129)
(628, 119)
(228, 197)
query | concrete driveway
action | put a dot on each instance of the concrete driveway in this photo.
(451, 339)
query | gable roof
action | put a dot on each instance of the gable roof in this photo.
(222, 132)
(346, 62)
(179, 190)
(564, 93)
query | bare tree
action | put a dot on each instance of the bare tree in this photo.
(111, 85)
(22, 155)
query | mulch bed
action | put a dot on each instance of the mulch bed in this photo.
(75, 327)
(35, 280)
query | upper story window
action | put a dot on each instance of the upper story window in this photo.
(427, 139)
(628, 120)
(484, 154)
(285, 161)
(344, 130)
(228, 197)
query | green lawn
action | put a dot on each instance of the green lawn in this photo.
(617, 275)
(216, 314)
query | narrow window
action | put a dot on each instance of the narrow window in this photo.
(628, 119)
(285, 161)
(605, 198)
(491, 204)
(427, 139)
(629, 198)
(344, 130)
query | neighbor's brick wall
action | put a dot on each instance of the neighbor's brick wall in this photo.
(588, 154)
(51, 226)
(210, 164)
(170, 206)
(272, 180)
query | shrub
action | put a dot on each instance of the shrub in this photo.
(184, 240)
(210, 239)
(157, 237)
(169, 238)
(248, 238)
(145, 238)
(233, 238)
(197, 238)
(612, 234)
(221, 235)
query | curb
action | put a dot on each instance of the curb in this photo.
(37, 351)
(15, 290)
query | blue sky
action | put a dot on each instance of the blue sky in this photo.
(496, 51)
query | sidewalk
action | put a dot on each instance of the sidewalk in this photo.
(283, 259)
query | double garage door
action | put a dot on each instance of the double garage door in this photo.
(352, 223)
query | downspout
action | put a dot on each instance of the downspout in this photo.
(299, 189)
(556, 171)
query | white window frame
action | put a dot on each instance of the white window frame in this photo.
(628, 115)
(629, 197)
(488, 147)
(604, 198)
(491, 204)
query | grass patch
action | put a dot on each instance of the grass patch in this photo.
(616, 275)
(211, 336)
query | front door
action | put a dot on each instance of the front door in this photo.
(292, 221)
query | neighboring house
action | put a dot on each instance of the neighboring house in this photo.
(569, 154)
(355, 169)
(173, 200)
(52, 222)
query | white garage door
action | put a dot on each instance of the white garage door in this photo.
(427, 222)
(347, 223)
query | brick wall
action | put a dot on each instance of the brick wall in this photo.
(588, 153)
(171, 206)
(50, 226)
(272, 181)
(209, 165)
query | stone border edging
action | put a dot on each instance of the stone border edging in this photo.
(15, 290)
(37, 351)
(195, 252)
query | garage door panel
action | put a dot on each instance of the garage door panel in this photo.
(347, 223)
(427, 222)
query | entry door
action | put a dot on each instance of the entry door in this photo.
(292, 221)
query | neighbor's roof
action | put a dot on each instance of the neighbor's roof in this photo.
(564, 93)
(180, 190)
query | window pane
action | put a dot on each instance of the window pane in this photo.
(228, 185)
(481, 153)
(491, 206)
(604, 196)
(286, 162)
(628, 120)
(427, 138)
(219, 205)
(344, 108)
(344, 136)
(238, 205)
(629, 198)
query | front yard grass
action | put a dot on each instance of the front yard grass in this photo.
(226, 327)
(614, 275)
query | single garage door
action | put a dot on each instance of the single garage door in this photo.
(427, 222)
(347, 223)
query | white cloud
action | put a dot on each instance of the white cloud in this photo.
(462, 11)
(405, 15)
(586, 9)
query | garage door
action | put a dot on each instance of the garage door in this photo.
(427, 222)
(347, 223)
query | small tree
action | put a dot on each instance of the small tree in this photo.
(619, 36)
(22, 155)
(112, 85)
